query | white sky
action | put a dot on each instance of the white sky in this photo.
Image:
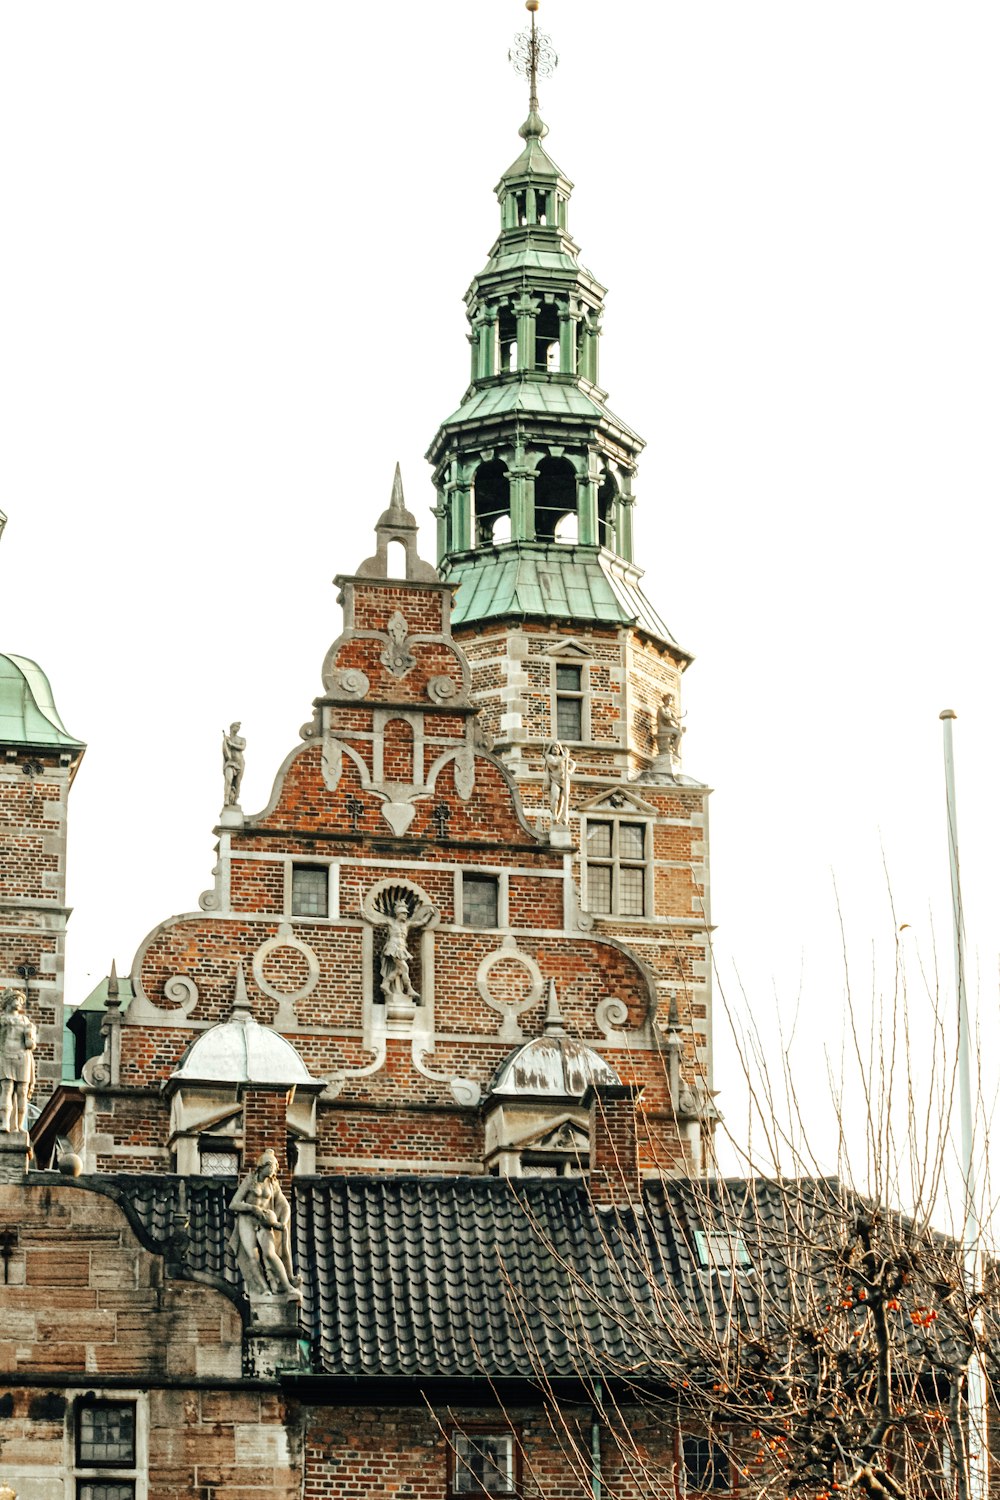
(237, 236)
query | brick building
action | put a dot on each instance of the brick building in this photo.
(455, 975)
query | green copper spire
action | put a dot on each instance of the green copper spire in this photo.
(533, 471)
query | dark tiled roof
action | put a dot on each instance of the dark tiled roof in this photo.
(412, 1276)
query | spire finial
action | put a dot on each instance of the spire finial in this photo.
(553, 1015)
(114, 998)
(241, 1010)
(534, 57)
(397, 506)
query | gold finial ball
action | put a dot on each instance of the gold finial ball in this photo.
(531, 4)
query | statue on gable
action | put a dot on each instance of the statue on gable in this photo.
(261, 1237)
(233, 763)
(18, 1039)
(669, 731)
(400, 918)
(559, 768)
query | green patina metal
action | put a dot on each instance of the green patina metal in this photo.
(28, 714)
(533, 471)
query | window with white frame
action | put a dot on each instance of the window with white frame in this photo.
(105, 1449)
(617, 860)
(310, 891)
(570, 700)
(482, 1463)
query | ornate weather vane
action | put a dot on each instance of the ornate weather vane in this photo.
(533, 56)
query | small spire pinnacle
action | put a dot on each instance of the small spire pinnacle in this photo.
(553, 1015)
(113, 1000)
(397, 506)
(241, 1010)
(534, 57)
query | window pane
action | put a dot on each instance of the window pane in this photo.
(599, 840)
(309, 897)
(219, 1164)
(484, 1462)
(598, 888)
(480, 900)
(631, 892)
(105, 1489)
(630, 840)
(706, 1465)
(106, 1435)
(569, 718)
(569, 679)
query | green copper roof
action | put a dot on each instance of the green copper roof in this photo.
(534, 161)
(551, 582)
(28, 714)
(559, 398)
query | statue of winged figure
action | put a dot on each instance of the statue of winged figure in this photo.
(400, 913)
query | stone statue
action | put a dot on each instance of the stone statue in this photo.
(261, 1237)
(395, 959)
(669, 730)
(559, 768)
(233, 764)
(18, 1038)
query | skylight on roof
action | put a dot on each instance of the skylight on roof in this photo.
(719, 1250)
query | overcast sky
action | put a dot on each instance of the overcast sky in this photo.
(236, 241)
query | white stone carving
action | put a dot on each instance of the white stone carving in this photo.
(333, 763)
(465, 772)
(340, 1076)
(610, 1013)
(466, 1091)
(397, 656)
(352, 682)
(286, 1018)
(399, 816)
(182, 991)
(508, 952)
(442, 689)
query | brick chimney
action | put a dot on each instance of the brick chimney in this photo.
(614, 1151)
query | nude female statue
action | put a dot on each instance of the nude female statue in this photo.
(261, 1234)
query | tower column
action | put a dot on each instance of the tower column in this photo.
(522, 475)
(587, 485)
(568, 323)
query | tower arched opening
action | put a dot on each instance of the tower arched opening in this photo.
(507, 340)
(491, 496)
(607, 512)
(547, 338)
(556, 515)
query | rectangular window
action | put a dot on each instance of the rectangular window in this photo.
(569, 703)
(480, 901)
(707, 1466)
(309, 891)
(483, 1463)
(616, 867)
(105, 1439)
(105, 1435)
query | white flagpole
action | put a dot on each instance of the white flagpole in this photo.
(976, 1436)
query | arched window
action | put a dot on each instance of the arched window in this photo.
(492, 503)
(555, 501)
